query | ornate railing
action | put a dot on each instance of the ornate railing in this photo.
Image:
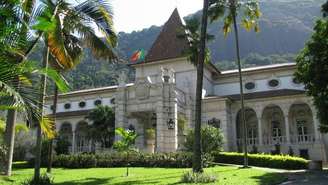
(309, 138)
(274, 140)
(250, 141)
(294, 139)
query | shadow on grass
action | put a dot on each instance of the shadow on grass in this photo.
(88, 181)
(270, 178)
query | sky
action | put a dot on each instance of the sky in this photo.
(134, 15)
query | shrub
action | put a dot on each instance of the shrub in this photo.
(3, 153)
(191, 177)
(43, 180)
(211, 139)
(150, 133)
(115, 159)
(262, 160)
(62, 146)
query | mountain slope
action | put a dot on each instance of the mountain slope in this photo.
(285, 27)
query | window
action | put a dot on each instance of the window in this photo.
(273, 83)
(67, 106)
(276, 131)
(82, 104)
(112, 101)
(302, 131)
(252, 135)
(296, 81)
(97, 102)
(250, 85)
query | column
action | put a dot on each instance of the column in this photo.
(259, 127)
(287, 129)
(73, 141)
(316, 128)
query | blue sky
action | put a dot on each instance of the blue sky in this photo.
(134, 15)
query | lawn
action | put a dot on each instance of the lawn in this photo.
(115, 176)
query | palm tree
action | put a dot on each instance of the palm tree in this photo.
(62, 21)
(102, 129)
(128, 138)
(197, 160)
(197, 53)
(249, 21)
(16, 83)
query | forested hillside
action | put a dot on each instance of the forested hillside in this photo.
(285, 27)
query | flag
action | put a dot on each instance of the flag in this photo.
(138, 55)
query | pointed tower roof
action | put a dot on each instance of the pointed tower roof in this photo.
(167, 45)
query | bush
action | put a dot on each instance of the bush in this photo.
(3, 153)
(211, 139)
(62, 146)
(43, 180)
(191, 177)
(262, 160)
(115, 159)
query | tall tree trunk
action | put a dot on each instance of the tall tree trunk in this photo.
(241, 88)
(12, 114)
(197, 159)
(43, 86)
(54, 111)
(10, 139)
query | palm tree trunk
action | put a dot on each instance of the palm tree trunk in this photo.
(50, 149)
(10, 139)
(241, 89)
(197, 159)
(41, 104)
(12, 114)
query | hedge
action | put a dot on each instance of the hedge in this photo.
(163, 160)
(262, 160)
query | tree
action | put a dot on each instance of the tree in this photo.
(78, 20)
(59, 22)
(249, 21)
(16, 71)
(193, 34)
(211, 139)
(312, 68)
(102, 129)
(125, 144)
(197, 158)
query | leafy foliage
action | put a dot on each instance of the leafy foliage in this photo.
(126, 141)
(44, 179)
(103, 125)
(191, 32)
(211, 139)
(312, 70)
(262, 160)
(192, 177)
(119, 159)
(62, 146)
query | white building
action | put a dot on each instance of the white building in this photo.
(279, 115)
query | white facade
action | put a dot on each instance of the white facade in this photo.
(280, 117)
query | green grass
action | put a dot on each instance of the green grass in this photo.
(227, 175)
